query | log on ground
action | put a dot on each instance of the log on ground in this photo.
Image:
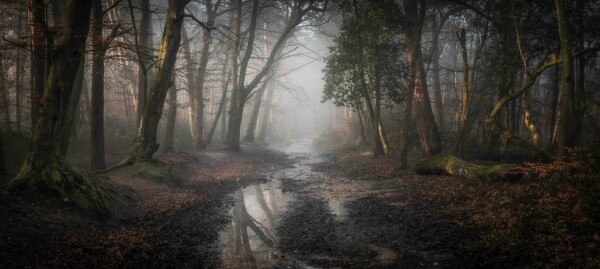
(446, 164)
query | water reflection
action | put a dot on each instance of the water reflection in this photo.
(249, 240)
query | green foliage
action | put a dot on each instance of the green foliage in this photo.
(367, 49)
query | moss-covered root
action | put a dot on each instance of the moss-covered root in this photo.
(445, 164)
(71, 184)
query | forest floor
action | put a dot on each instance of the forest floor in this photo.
(298, 208)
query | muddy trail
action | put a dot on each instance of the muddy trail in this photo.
(295, 207)
(305, 217)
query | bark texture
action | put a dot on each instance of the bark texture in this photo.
(144, 145)
(45, 169)
(427, 129)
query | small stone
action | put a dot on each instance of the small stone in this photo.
(66, 199)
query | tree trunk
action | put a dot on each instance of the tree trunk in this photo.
(225, 78)
(554, 108)
(200, 143)
(241, 90)
(529, 121)
(251, 129)
(18, 78)
(38, 32)
(503, 71)
(190, 71)
(406, 121)
(2, 163)
(464, 110)
(69, 121)
(171, 117)
(376, 144)
(426, 127)
(437, 89)
(444, 164)
(567, 88)
(144, 144)
(264, 123)
(235, 89)
(45, 169)
(144, 49)
(4, 93)
(97, 105)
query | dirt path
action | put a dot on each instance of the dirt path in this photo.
(295, 208)
(307, 217)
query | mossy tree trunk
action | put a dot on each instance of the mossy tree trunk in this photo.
(45, 169)
(144, 144)
(445, 164)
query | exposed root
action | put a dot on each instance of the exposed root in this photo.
(71, 184)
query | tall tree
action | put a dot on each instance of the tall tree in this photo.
(567, 87)
(45, 168)
(168, 144)
(362, 66)
(464, 109)
(426, 127)
(297, 12)
(39, 36)
(99, 45)
(144, 53)
(2, 164)
(4, 93)
(144, 144)
(19, 77)
(211, 14)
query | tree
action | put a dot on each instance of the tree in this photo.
(298, 11)
(45, 169)
(39, 36)
(363, 65)
(144, 144)
(144, 53)
(464, 110)
(2, 163)
(99, 45)
(567, 87)
(211, 14)
(171, 117)
(426, 127)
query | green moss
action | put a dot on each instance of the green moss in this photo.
(156, 171)
(446, 164)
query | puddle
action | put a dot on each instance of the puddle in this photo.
(249, 240)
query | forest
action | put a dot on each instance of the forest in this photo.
(300, 133)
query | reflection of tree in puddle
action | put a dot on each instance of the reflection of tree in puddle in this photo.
(249, 240)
